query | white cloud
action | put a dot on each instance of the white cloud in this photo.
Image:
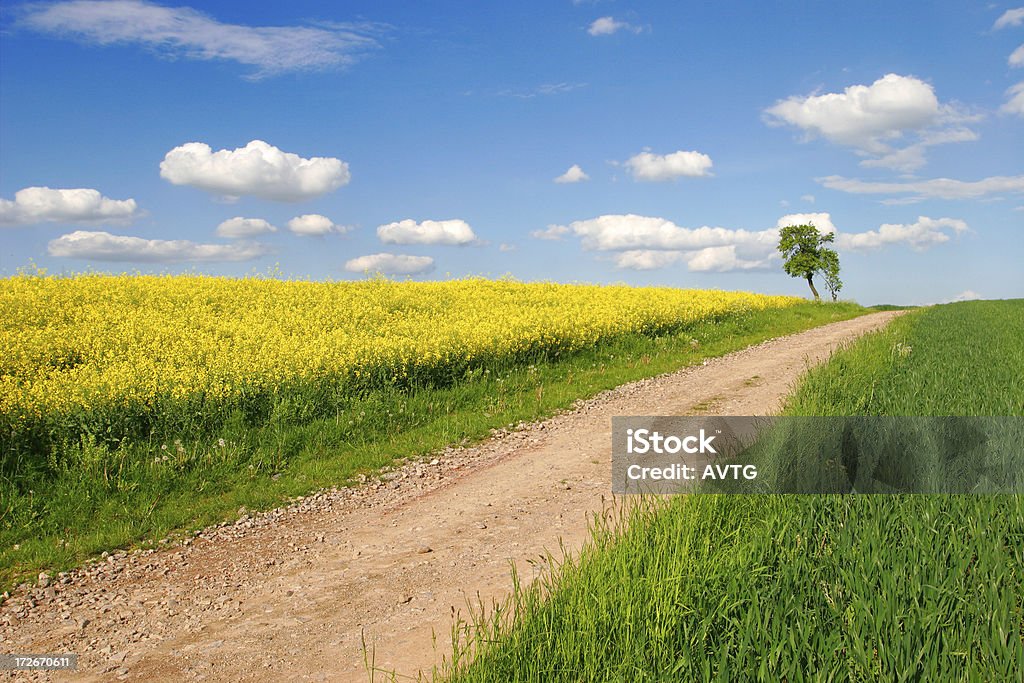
(390, 264)
(630, 231)
(809, 198)
(551, 233)
(711, 259)
(1016, 57)
(1014, 100)
(606, 26)
(723, 259)
(182, 32)
(862, 115)
(906, 160)
(258, 169)
(244, 227)
(575, 174)
(449, 232)
(657, 167)
(912, 157)
(924, 233)
(650, 243)
(1011, 17)
(822, 221)
(648, 259)
(871, 118)
(315, 225)
(966, 295)
(103, 246)
(941, 188)
(506, 247)
(557, 88)
(543, 89)
(45, 205)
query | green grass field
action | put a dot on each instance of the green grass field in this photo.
(957, 359)
(56, 513)
(829, 587)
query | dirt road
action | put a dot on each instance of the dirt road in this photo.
(295, 594)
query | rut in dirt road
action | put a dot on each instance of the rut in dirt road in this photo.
(295, 593)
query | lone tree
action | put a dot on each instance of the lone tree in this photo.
(805, 254)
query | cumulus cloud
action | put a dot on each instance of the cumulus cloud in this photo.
(925, 232)
(244, 227)
(1016, 57)
(822, 221)
(551, 233)
(727, 258)
(1011, 17)
(941, 188)
(258, 169)
(450, 232)
(710, 259)
(862, 115)
(390, 264)
(44, 205)
(575, 174)
(182, 32)
(606, 26)
(871, 118)
(650, 243)
(103, 246)
(630, 231)
(647, 259)
(315, 225)
(657, 167)
(1014, 100)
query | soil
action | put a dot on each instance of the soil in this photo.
(374, 576)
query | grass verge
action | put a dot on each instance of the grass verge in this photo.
(829, 587)
(93, 499)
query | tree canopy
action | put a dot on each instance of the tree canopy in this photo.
(805, 254)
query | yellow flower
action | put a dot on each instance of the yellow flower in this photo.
(92, 340)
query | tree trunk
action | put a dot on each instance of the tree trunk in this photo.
(810, 283)
(835, 295)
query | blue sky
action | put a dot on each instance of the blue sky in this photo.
(600, 141)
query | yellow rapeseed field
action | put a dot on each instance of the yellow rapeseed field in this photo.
(68, 343)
